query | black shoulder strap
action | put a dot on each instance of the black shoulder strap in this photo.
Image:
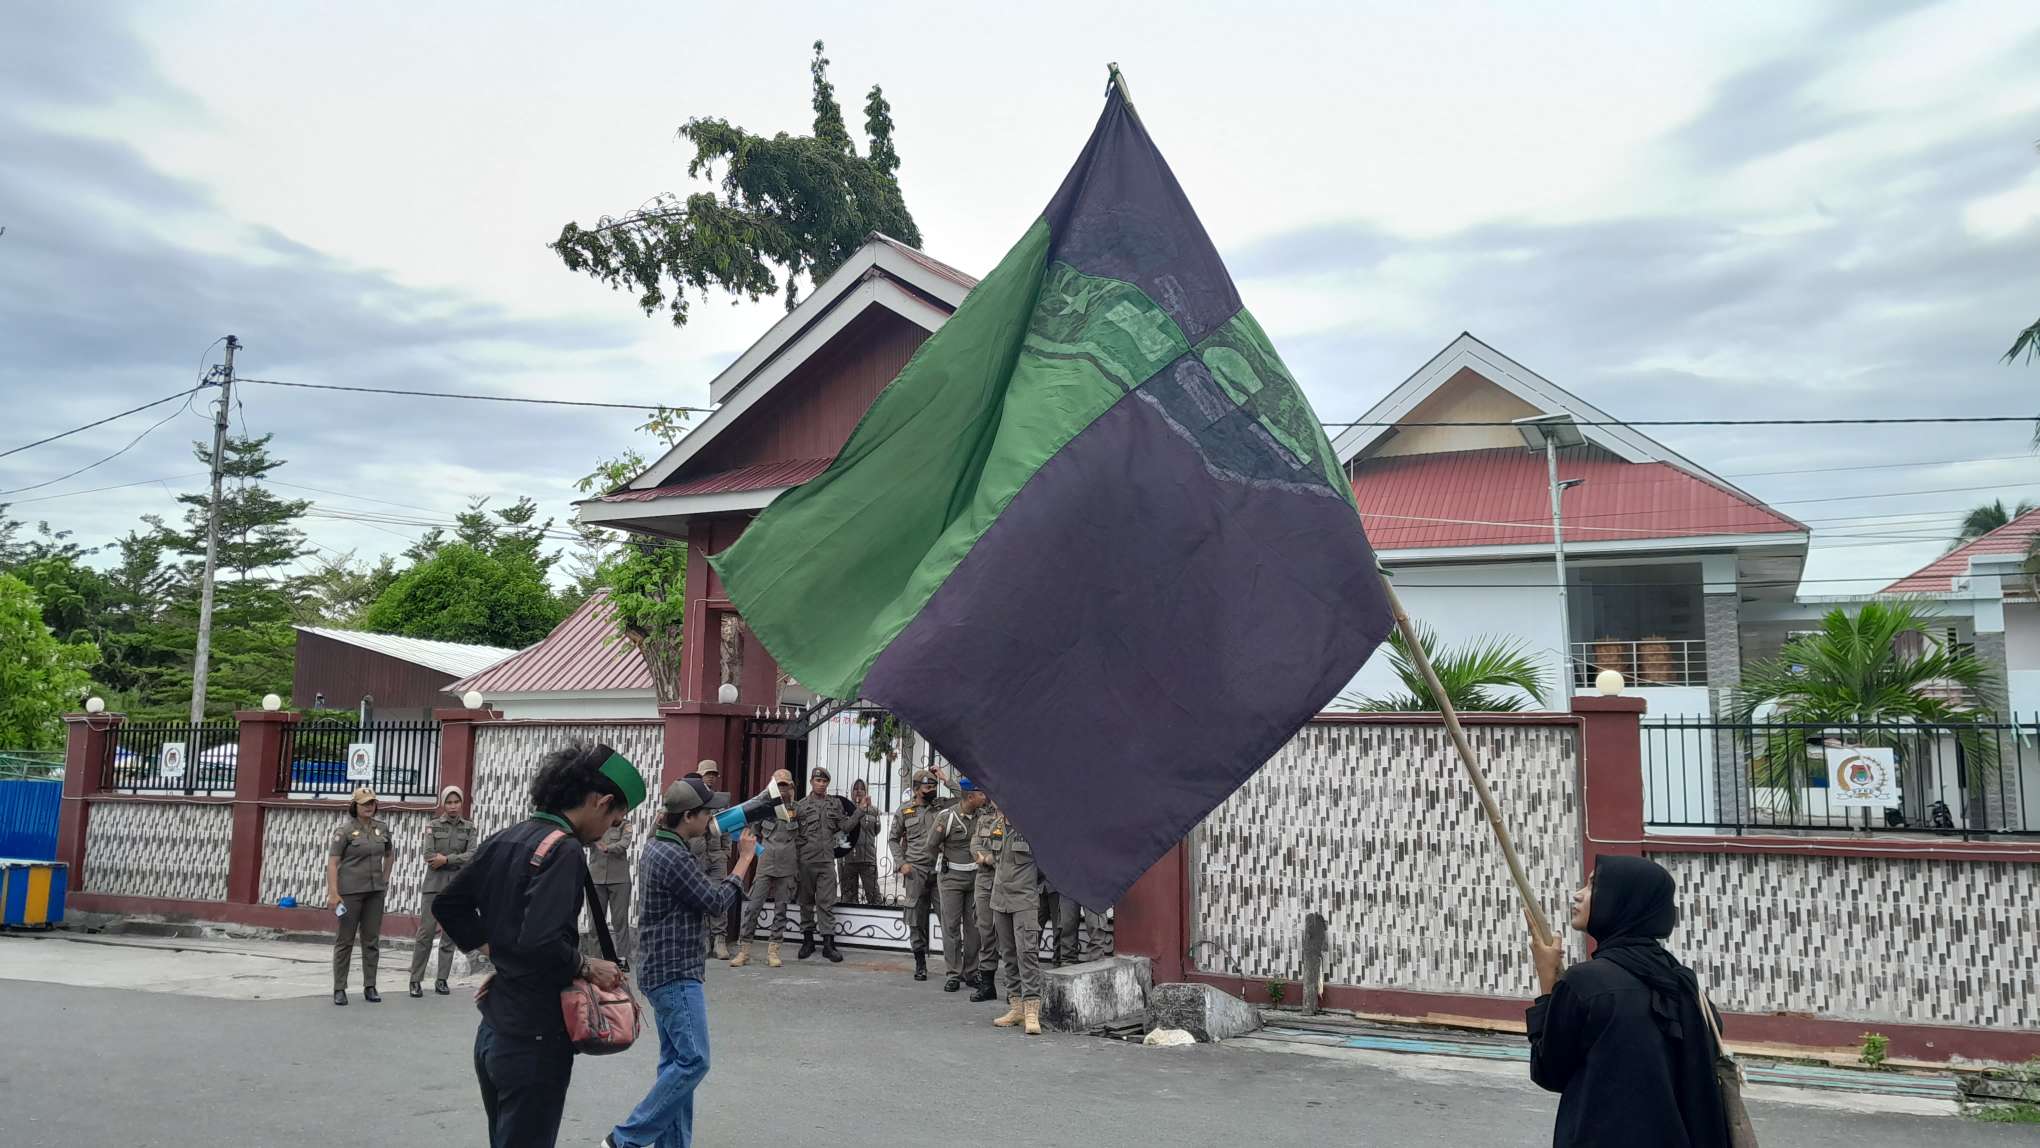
(599, 911)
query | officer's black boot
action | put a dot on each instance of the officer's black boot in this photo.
(954, 983)
(440, 986)
(807, 944)
(920, 964)
(417, 989)
(986, 990)
(829, 949)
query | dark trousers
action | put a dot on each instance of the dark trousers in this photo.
(524, 1086)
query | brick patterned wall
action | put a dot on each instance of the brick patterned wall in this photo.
(1872, 939)
(166, 849)
(1376, 827)
(294, 845)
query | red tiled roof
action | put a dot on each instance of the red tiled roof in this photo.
(763, 476)
(1938, 576)
(1503, 498)
(580, 655)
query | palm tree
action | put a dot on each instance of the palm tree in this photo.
(1988, 517)
(2027, 344)
(1471, 675)
(1856, 673)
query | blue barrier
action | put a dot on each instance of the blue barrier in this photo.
(28, 819)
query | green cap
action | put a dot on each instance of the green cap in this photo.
(627, 778)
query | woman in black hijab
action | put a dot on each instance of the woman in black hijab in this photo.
(1621, 1037)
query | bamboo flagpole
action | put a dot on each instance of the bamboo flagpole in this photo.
(1538, 924)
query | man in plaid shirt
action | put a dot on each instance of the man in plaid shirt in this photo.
(674, 898)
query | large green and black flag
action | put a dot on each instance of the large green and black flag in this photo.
(1092, 543)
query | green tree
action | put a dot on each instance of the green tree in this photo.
(465, 594)
(340, 589)
(41, 678)
(1873, 668)
(254, 601)
(648, 598)
(1474, 676)
(513, 533)
(1981, 520)
(797, 204)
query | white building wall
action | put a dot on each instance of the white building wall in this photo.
(1512, 599)
(578, 707)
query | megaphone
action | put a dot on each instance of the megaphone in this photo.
(763, 807)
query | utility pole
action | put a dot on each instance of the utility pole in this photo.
(212, 537)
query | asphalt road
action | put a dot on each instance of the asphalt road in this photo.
(855, 1054)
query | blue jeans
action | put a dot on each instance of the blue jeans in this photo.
(665, 1117)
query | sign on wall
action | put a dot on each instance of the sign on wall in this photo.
(1862, 775)
(361, 761)
(171, 765)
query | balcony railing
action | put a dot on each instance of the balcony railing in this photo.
(1644, 663)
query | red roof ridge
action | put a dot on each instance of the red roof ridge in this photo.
(1938, 576)
(583, 654)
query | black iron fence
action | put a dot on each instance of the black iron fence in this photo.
(172, 757)
(399, 760)
(1963, 779)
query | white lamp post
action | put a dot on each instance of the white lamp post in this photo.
(271, 702)
(727, 694)
(472, 699)
(1545, 434)
(95, 705)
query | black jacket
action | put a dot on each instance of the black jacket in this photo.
(529, 916)
(1622, 1081)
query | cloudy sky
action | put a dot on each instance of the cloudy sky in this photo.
(1674, 210)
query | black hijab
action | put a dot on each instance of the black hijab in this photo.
(1633, 912)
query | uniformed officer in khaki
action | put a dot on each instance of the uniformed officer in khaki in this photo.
(909, 840)
(818, 819)
(609, 868)
(358, 863)
(449, 844)
(1015, 907)
(857, 871)
(778, 869)
(981, 852)
(712, 849)
(956, 883)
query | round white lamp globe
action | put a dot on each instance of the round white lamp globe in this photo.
(472, 699)
(1609, 682)
(727, 695)
(271, 702)
(95, 705)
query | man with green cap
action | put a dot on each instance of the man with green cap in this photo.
(520, 900)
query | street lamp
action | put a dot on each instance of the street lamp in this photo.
(1545, 434)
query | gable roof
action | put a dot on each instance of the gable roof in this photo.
(883, 273)
(1941, 575)
(1502, 498)
(446, 657)
(579, 656)
(1469, 353)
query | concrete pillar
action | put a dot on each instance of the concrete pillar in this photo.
(1996, 796)
(1611, 777)
(88, 749)
(1732, 793)
(1153, 919)
(457, 746)
(260, 759)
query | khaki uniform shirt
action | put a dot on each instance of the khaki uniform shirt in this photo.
(712, 849)
(609, 859)
(1015, 883)
(453, 836)
(780, 841)
(816, 821)
(949, 840)
(909, 836)
(983, 848)
(361, 852)
(865, 851)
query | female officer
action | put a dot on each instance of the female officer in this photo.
(449, 844)
(358, 864)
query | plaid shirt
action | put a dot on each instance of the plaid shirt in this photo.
(674, 897)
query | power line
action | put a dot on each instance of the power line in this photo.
(1901, 421)
(479, 398)
(1881, 466)
(108, 458)
(98, 423)
(103, 489)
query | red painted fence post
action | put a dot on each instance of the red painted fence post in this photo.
(1610, 777)
(457, 747)
(88, 746)
(258, 777)
(1152, 920)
